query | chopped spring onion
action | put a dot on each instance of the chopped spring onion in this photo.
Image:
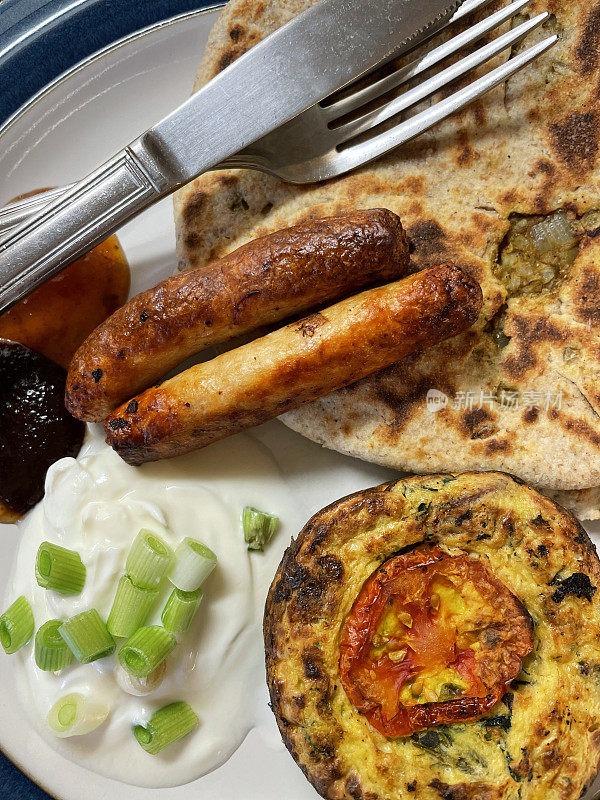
(180, 610)
(59, 569)
(166, 726)
(51, 652)
(140, 686)
(148, 560)
(148, 646)
(87, 636)
(75, 715)
(259, 527)
(130, 608)
(194, 563)
(16, 626)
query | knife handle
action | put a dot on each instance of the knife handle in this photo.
(86, 214)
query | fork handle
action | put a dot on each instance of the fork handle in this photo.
(71, 225)
(17, 211)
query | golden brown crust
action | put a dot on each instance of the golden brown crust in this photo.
(262, 282)
(294, 365)
(540, 743)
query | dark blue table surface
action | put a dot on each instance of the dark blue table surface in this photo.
(13, 784)
(40, 39)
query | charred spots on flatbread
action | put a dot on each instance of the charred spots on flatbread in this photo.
(193, 207)
(428, 238)
(543, 201)
(579, 427)
(226, 181)
(478, 109)
(588, 46)
(587, 297)
(230, 55)
(402, 388)
(530, 415)
(478, 423)
(494, 446)
(528, 334)
(575, 140)
(414, 185)
(509, 198)
(465, 155)
(192, 240)
(545, 167)
(236, 32)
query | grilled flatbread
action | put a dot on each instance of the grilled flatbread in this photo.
(508, 189)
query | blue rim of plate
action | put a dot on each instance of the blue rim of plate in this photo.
(32, 41)
(41, 39)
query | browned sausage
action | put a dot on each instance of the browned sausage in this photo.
(294, 365)
(262, 282)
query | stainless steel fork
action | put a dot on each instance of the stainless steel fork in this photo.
(331, 138)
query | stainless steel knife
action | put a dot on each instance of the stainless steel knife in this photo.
(309, 58)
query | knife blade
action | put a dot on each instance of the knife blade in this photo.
(309, 58)
(315, 54)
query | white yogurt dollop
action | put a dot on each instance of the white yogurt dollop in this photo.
(96, 504)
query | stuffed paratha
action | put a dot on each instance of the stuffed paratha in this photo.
(519, 391)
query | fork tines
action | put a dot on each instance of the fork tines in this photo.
(343, 133)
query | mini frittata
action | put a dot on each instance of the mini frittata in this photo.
(439, 637)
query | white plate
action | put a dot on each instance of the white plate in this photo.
(71, 127)
(68, 129)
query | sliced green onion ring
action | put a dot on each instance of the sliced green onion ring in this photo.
(51, 651)
(140, 686)
(148, 646)
(180, 610)
(194, 563)
(88, 637)
(166, 726)
(75, 715)
(59, 569)
(16, 626)
(148, 560)
(130, 609)
(258, 527)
